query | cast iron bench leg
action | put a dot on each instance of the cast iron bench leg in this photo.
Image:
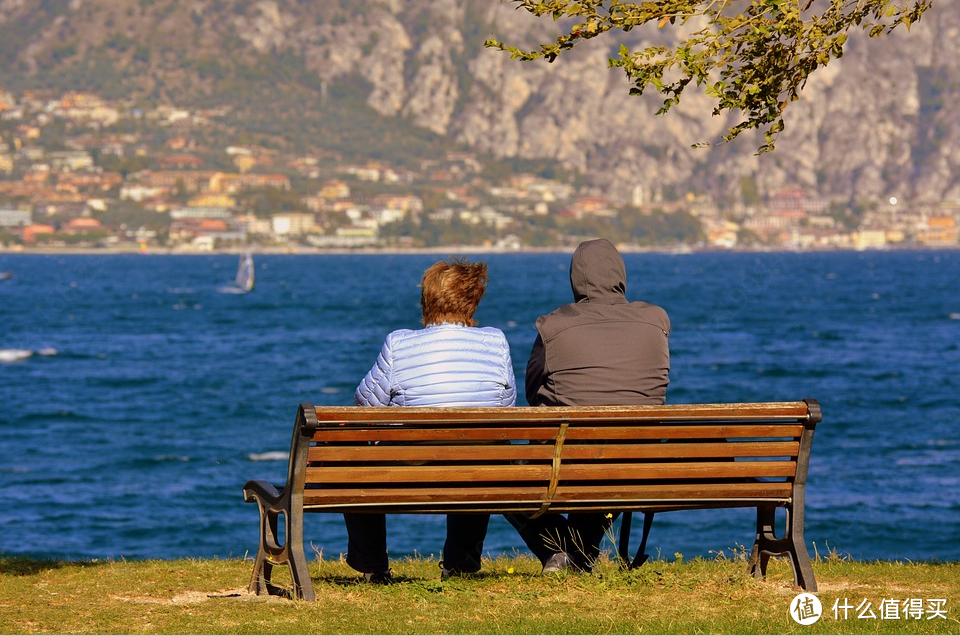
(262, 567)
(624, 548)
(767, 545)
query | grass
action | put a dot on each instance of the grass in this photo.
(509, 597)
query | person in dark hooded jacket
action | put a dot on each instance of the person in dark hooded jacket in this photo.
(599, 350)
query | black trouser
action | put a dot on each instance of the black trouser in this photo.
(579, 534)
(367, 542)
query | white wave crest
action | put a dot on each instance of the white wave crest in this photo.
(269, 456)
(13, 355)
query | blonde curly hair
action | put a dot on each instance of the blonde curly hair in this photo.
(451, 290)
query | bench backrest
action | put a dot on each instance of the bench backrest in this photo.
(557, 458)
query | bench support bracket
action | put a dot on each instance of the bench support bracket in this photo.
(624, 547)
(791, 545)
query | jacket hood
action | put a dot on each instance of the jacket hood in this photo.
(597, 273)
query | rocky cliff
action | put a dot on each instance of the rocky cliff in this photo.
(882, 121)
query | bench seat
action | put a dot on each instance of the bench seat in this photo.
(532, 460)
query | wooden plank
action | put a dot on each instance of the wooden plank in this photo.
(579, 431)
(344, 496)
(671, 450)
(334, 416)
(544, 452)
(633, 472)
(504, 453)
(652, 493)
(598, 472)
(427, 474)
(504, 507)
(610, 498)
(404, 433)
(576, 432)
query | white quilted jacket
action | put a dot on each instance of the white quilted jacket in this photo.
(441, 365)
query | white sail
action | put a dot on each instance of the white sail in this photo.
(245, 272)
(245, 277)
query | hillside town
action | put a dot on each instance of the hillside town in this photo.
(79, 171)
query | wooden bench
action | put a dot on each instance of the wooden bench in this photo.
(646, 459)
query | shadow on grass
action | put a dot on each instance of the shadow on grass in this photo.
(336, 580)
(23, 566)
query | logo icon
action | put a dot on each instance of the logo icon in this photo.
(805, 609)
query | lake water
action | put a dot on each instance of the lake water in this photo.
(149, 398)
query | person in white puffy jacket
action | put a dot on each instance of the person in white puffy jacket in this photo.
(450, 362)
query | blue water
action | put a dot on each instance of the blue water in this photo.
(150, 398)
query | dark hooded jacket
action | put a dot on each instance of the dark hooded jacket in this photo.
(600, 349)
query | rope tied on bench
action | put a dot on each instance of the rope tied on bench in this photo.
(555, 471)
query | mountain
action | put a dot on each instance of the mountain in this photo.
(399, 79)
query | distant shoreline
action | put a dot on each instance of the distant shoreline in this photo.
(448, 249)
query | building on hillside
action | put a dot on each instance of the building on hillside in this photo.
(37, 173)
(370, 172)
(134, 192)
(13, 218)
(33, 232)
(702, 206)
(78, 99)
(292, 223)
(170, 180)
(244, 163)
(865, 239)
(212, 199)
(82, 225)
(721, 233)
(204, 233)
(180, 162)
(200, 212)
(941, 231)
(773, 229)
(335, 189)
(592, 206)
(70, 160)
(234, 183)
(406, 203)
(87, 181)
(252, 224)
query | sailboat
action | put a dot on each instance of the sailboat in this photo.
(245, 276)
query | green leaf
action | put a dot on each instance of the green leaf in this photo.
(752, 64)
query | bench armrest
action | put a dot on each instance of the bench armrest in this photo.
(265, 494)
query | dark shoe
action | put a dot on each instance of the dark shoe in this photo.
(446, 573)
(558, 562)
(378, 578)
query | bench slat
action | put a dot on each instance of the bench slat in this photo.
(669, 450)
(435, 494)
(610, 498)
(654, 431)
(676, 470)
(383, 433)
(667, 492)
(648, 431)
(544, 452)
(427, 474)
(334, 416)
(467, 453)
(474, 476)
